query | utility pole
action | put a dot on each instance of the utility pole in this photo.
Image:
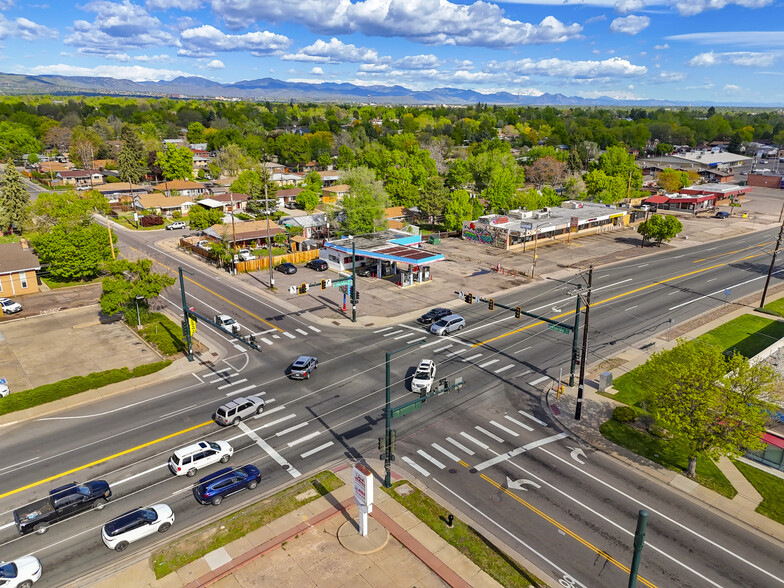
(353, 281)
(574, 336)
(536, 241)
(266, 206)
(581, 384)
(639, 541)
(772, 263)
(233, 233)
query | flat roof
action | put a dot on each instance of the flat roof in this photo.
(388, 245)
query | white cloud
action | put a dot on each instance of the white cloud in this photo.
(417, 62)
(734, 38)
(117, 27)
(661, 47)
(731, 88)
(215, 64)
(124, 57)
(137, 73)
(684, 7)
(317, 71)
(6, 4)
(179, 4)
(739, 58)
(559, 68)
(374, 67)
(205, 40)
(152, 58)
(431, 22)
(630, 25)
(667, 77)
(21, 28)
(627, 6)
(692, 7)
(334, 51)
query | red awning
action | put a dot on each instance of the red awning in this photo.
(773, 440)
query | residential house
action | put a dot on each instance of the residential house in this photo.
(114, 192)
(240, 201)
(333, 194)
(165, 205)
(314, 226)
(79, 178)
(289, 195)
(52, 167)
(329, 177)
(18, 267)
(182, 187)
(397, 217)
(309, 166)
(247, 233)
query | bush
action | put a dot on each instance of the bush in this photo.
(624, 414)
(177, 214)
(151, 220)
(113, 180)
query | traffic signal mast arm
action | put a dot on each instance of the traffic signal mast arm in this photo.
(492, 304)
(250, 341)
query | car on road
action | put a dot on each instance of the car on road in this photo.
(448, 324)
(302, 367)
(9, 306)
(424, 376)
(185, 461)
(744, 173)
(240, 408)
(20, 573)
(227, 322)
(61, 503)
(317, 264)
(286, 268)
(176, 225)
(214, 488)
(136, 524)
(433, 315)
(722, 214)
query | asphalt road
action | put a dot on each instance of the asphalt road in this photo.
(577, 514)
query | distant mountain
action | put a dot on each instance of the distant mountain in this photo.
(277, 90)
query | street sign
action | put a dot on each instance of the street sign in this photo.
(558, 328)
(406, 408)
(3, 381)
(337, 283)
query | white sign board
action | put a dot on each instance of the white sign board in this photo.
(363, 487)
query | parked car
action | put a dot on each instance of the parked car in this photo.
(235, 410)
(244, 255)
(448, 324)
(366, 271)
(424, 376)
(136, 524)
(722, 214)
(302, 367)
(227, 322)
(4, 390)
(203, 244)
(317, 264)
(214, 488)
(187, 460)
(62, 502)
(433, 315)
(9, 306)
(645, 207)
(176, 225)
(286, 268)
(20, 573)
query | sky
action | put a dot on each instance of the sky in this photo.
(721, 51)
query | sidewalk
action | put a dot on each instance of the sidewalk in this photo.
(318, 545)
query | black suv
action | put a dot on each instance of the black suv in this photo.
(214, 488)
(433, 315)
(317, 264)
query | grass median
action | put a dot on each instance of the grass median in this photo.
(229, 528)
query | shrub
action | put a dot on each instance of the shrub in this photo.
(177, 214)
(112, 179)
(624, 414)
(151, 220)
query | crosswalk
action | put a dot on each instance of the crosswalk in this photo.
(271, 336)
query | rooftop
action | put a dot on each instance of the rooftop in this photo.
(16, 257)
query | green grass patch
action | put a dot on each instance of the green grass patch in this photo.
(64, 388)
(127, 221)
(630, 387)
(232, 527)
(776, 307)
(9, 238)
(158, 330)
(771, 487)
(465, 539)
(55, 283)
(748, 334)
(669, 453)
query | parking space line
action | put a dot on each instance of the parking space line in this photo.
(432, 460)
(505, 429)
(317, 449)
(503, 369)
(489, 434)
(449, 454)
(303, 439)
(270, 451)
(460, 446)
(487, 363)
(413, 464)
(230, 384)
(533, 418)
(518, 423)
(477, 441)
(245, 389)
(290, 429)
(314, 329)
(289, 335)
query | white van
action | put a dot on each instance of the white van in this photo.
(186, 461)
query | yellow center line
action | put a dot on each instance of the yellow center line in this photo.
(104, 459)
(731, 252)
(617, 296)
(572, 534)
(237, 306)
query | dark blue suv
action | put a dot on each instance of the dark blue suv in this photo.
(214, 488)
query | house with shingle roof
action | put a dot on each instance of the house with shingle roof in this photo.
(182, 187)
(162, 204)
(18, 267)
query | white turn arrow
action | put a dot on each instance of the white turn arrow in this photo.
(577, 453)
(518, 484)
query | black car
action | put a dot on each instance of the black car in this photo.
(286, 268)
(214, 488)
(433, 315)
(317, 264)
(722, 214)
(366, 271)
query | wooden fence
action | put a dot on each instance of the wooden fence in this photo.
(262, 263)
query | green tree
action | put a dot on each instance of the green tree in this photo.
(293, 149)
(458, 209)
(14, 200)
(17, 139)
(69, 209)
(73, 252)
(196, 133)
(203, 218)
(660, 227)
(672, 180)
(346, 157)
(129, 279)
(604, 188)
(176, 162)
(231, 159)
(714, 404)
(308, 200)
(365, 204)
(313, 182)
(132, 161)
(434, 197)
(735, 143)
(663, 149)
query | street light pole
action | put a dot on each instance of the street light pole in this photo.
(583, 356)
(266, 206)
(353, 281)
(138, 316)
(772, 263)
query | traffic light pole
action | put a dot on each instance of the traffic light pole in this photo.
(354, 285)
(186, 315)
(581, 384)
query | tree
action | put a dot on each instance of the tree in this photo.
(714, 404)
(132, 161)
(16, 139)
(313, 182)
(293, 149)
(663, 149)
(735, 144)
(672, 180)
(203, 218)
(546, 171)
(458, 209)
(308, 200)
(196, 132)
(69, 209)
(176, 162)
(434, 197)
(660, 228)
(129, 279)
(231, 159)
(603, 188)
(14, 200)
(365, 203)
(73, 252)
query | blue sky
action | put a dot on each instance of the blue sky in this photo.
(725, 51)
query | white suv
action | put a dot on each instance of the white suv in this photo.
(136, 524)
(186, 461)
(9, 306)
(448, 324)
(424, 376)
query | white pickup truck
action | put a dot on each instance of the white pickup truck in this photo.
(227, 322)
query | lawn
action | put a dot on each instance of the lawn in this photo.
(748, 334)
(669, 453)
(776, 307)
(158, 330)
(9, 238)
(771, 487)
(465, 539)
(631, 389)
(54, 283)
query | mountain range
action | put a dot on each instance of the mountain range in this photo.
(278, 90)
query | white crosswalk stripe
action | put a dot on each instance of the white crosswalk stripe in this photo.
(487, 363)
(380, 330)
(442, 348)
(289, 335)
(474, 440)
(504, 429)
(301, 332)
(503, 369)
(449, 454)
(394, 333)
(460, 446)
(518, 423)
(470, 357)
(414, 465)
(489, 434)
(431, 459)
(532, 417)
(314, 329)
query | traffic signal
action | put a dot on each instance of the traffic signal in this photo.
(392, 436)
(356, 295)
(491, 304)
(518, 312)
(382, 446)
(323, 284)
(303, 289)
(469, 298)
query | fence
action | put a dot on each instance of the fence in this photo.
(262, 263)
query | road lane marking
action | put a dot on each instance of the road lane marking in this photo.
(642, 265)
(289, 335)
(20, 463)
(631, 307)
(538, 380)
(413, 464)
(7, 526)
(503, 369)
(317, 449)
(505, 429)
(105, 459)
(431, 459)
(411, 341)
(442, 348)
(711, 280)
(523, 349)
(417, 329)
(460, 446)
(487, 363)
(198, 378)
(382, 330)
(515, 452)
(518, 423)
(271, 423)
(303, 439)
(489, 434)
(446, 452)
(403, 336)
(301, 332)
(727, 288)
(241, 390)
(314, 329)
(267, 341)
(673, 292)
(532, 417)
(469, 358)
(230, 384)
(290, 429)
(270, 451)
(477, 441)
(139, 475)
(458, 352)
